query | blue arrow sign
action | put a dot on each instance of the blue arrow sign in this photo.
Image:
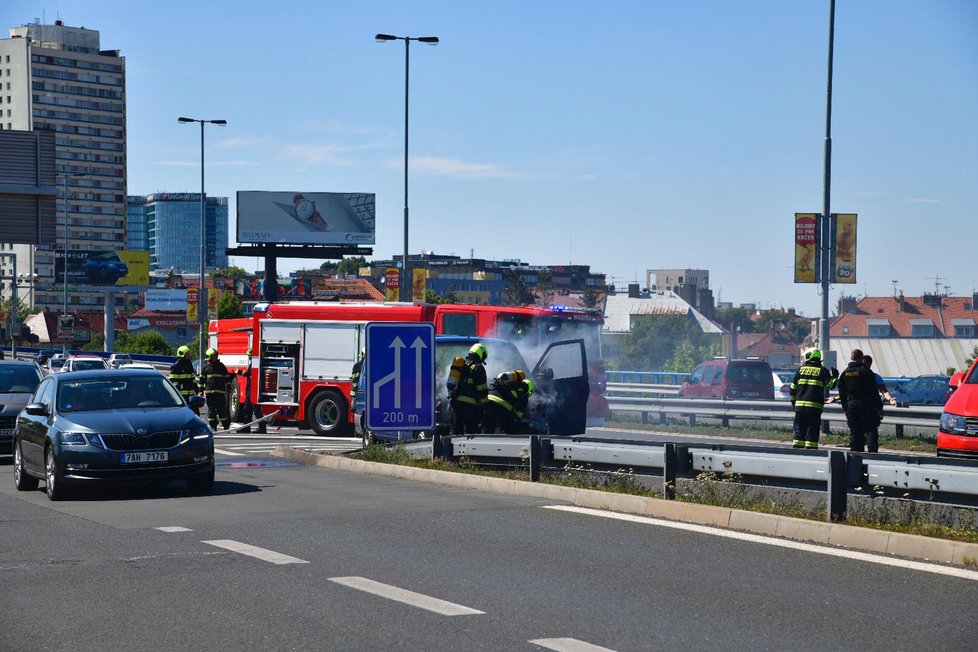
(400, 376)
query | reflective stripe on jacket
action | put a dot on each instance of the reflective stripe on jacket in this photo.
(809, 385)
(473, 388)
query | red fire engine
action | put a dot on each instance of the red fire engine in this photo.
(303, 352)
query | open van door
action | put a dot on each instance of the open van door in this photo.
(561, 379)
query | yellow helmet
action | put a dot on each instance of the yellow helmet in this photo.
(209, 353)
(183, 350)
(529, 386)
(479, 351)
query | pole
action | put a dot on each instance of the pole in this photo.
(406, 282)
(826, 219)
(202, 293)
(64, 260)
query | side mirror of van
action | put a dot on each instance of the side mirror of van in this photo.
(956, 380)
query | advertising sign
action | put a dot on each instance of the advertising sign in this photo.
(806, 247)
(213, 297)
(332, 218)
(165, 300)
(392, 284)
(844, 262)
(420, 283)
(112, 268)
(192, 305)
(66, 326)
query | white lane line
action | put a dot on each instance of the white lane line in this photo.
(224, 452)
(782, 543)
(255, 551)
(173, 528)
(407, 597)
(568, 645)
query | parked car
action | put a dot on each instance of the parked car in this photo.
(56, 363)
(129, 426)
(43, 355)
(84, 363)
(922, 390)
(558, 405)
(730, 379)
(137, 365)
(782, 384)
(957, 434)
(116, 360)
(18, 380)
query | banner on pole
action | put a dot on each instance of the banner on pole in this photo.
(844, 249)
(806, 248)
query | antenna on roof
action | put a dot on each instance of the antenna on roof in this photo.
(894, 282)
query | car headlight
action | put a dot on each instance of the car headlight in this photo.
(69, 438)
(953, 424)
(198, 432)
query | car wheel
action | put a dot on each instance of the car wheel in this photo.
(327, 414)
(54, 478)
(203, 483)
(234, 401)
(22, 480)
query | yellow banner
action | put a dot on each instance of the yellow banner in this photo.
(806, 247)
(138, 264)
(213, 296)
(845, 248)
(420, 284)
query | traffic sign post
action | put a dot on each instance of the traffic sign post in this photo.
(400, 376)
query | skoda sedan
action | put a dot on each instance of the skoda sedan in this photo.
(127, 425)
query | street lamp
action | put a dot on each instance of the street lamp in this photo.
(201, 293)
(64, 271)
(406, 281)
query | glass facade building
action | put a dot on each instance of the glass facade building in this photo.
(167, 225)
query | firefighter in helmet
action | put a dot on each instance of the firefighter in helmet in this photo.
(509, 394)
(468, 390)
(182, 375)
(214, 380)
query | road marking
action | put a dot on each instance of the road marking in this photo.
(173, 528)
(224, 452)
(568, 645)
(782, 543)
(255, 551)
(405, 596)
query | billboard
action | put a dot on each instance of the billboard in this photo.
(806, 247)
(325, 218)
(113, 268)
(165, 300)
(392, 284)
(420, 283)
(844, 261)
(192, 294)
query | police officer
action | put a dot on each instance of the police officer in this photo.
(214, 379)
(860, 397)
(182, 375)
(469, 394)
(808, 389)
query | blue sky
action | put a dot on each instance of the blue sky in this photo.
(623, 135)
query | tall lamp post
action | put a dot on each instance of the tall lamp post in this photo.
(202, 293)
(406, 280)
(64, 267)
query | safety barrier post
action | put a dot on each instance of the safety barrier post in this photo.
(838, 485)
(536, 456)
(669, 472)
(899, 431)
(692, 421)
(441, 447)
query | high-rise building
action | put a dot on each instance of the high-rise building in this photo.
(167, 225)
(56, 78)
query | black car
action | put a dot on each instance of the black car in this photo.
(127, 425)
(18, 380)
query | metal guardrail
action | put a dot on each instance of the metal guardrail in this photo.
(677, 378)
(834, 471)
(658, 400)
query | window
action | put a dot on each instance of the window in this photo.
(845, 330)
(458, 324)
(879, 330)
(696, 376)
(922, 330)
(964, 331)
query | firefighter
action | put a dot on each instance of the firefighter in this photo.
(808, 389)
(468, 391)
(507, 402)
(247, 412)
(860, 398)
(182, 375)
(214, 379)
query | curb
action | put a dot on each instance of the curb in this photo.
(912, 546)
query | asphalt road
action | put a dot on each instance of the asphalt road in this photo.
(335, 551)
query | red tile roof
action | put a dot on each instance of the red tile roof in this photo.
(899, 313)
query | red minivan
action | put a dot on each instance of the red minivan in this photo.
(958, 433)
(731, 379)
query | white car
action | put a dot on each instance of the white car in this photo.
(782, 384)
(137, 365)
(116, 360)
(84, 363)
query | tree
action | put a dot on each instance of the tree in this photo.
(97, 343)
(736, 317)
(516, 292)
(590, 298)
(351, 266)
(656, 340)
(971, 360)
(431, 297)
(688, 355)
(228, 272)
(148, 342)
(545, 286)
(229, 306)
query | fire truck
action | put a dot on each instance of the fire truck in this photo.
(302, 353)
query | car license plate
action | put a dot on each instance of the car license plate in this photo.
(751, 394)
(148, 456)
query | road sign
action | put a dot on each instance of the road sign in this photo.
(66, 326)
(400, 376)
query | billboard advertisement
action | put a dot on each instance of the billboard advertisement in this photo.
(192, 304)
(844, 262)
(165, 300)
(806, 247)
(419, 285)
(254, 288)
(324, 218)
(110, 268)
(392, 284)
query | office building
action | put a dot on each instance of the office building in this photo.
(167, 225)
(57, 78)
